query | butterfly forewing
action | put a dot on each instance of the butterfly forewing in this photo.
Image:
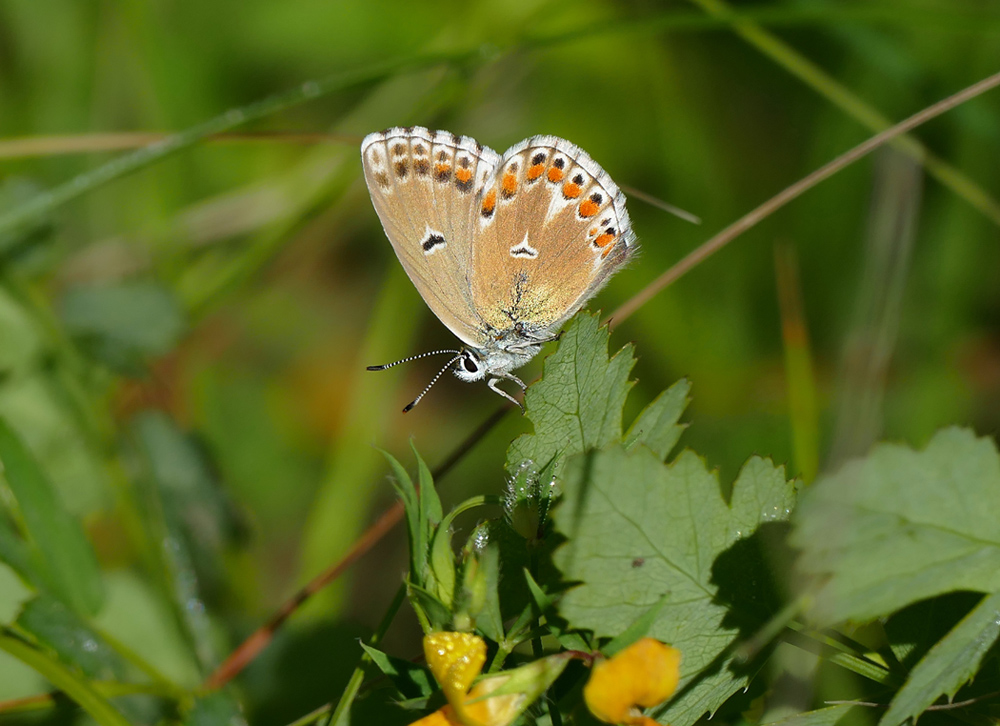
(425, 186)
(551, 228)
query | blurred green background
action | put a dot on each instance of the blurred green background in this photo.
(183, 348)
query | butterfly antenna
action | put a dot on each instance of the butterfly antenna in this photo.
(413, 357)
(433, 381)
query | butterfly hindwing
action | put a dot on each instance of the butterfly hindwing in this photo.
(425, 186)
(551, 228)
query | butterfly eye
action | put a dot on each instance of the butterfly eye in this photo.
(470, 365)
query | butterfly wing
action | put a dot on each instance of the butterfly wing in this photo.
(552, 228)
(425, 186)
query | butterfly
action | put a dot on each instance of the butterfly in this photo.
(503, 249)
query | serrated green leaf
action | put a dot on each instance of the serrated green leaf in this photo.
(638, 530)
(412, 680)
(65, 560)
(73, 640)
(656, 427)
(901, 525)
(952, 662)
(577, 405)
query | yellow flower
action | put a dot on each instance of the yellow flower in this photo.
(456, 660)
(642, 675)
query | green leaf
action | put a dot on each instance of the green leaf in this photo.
(481, 583)
(900, 525)
(123, 324)
(430, 502)
(635, 631)
(430, 550)
(24, 559)
(64, 559)
(64, 679)
(952, 662)
(214, 709)
(442, 568)
(544, 606)
(639, 530)
(412, 680)
(183, 512)
(403, 485)
(72, 639)
(656, 427)
(820, 717)
(577, 405)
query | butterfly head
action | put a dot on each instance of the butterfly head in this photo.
(475, 364)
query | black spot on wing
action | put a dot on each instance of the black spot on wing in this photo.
(431, 241)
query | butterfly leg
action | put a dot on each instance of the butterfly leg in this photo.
(492, 383)
(518, 381)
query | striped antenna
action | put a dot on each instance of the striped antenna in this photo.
(414, 357)
(434, 380)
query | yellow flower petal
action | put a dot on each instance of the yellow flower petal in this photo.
(642, 675)
(442, 717)
(455, 659)
(495, 711)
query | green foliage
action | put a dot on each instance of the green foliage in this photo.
(123, 325)
(578, 403)
(952, 662)
(899, 526)
(38, 538)
(638, 530)
(187, 428)
(72, 639)
(650, 545)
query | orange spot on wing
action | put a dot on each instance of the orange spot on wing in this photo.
(607, 251)
(442, 168)
(535, 171)
(604, 240)
(555, 174)
(571, 190)
(509, 184)
(490, 201)
(463, 175)
(589, 208)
